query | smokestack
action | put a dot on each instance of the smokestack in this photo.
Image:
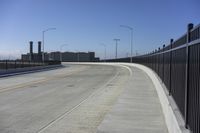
(39, 47)
(39, 51)
(31, 47)
(31, 50)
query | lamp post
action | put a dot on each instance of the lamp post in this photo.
(131, 29)
(43, 58)
(104, 51)
(116, 40)
(61, 51)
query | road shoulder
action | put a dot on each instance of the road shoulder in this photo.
(137, 110)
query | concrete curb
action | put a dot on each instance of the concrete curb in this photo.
(12, 72)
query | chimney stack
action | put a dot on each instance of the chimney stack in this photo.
(31, 51)
(31, 47)
(39, 47)
(39, 51)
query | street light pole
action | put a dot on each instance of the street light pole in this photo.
(116, 40)
(61, 51)
(104, 51)
(43, 56)
(131, 29)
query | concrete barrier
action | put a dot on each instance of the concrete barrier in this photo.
(11, 72)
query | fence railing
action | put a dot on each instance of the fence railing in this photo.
(15, 64)
(178, 66)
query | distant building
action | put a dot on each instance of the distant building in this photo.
(78, 57)
(54, 56)
(58, 56)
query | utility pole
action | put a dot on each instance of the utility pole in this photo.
(116, 40)
(131, 29)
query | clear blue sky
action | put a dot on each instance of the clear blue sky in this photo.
(84, 24)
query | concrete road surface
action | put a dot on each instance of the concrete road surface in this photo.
(73, 99)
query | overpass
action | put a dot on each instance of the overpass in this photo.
(159, 95)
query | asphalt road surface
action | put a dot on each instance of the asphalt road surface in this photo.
(75, 98)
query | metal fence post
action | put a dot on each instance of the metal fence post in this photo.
(163, 74)
(156, 62)
(189, 27)
(170, 67)
(159, 63)
(6, 64)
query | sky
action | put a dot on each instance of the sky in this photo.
(86, 24)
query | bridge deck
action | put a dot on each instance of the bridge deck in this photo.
(84, 98)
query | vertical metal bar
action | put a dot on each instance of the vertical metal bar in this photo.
(198, 85)
(159, 74)
(170, 68)
(163, 74)
(6, 64)
(190, 26)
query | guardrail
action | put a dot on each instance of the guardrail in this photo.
(178, 66)
(9, 64)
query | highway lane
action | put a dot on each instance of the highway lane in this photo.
(77, 96)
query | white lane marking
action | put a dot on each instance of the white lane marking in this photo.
(129, 69)
(69, 111)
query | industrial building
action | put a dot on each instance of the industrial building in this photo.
(59, 56)
(33, 56)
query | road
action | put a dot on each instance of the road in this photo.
(75, 98)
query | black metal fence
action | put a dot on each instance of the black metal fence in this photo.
(15, 64)
(178, 66)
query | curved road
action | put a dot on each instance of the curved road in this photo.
(75, 98)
